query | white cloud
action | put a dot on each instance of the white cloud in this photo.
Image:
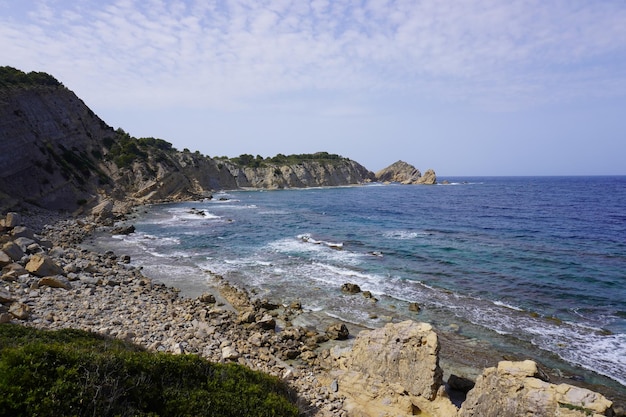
(156, 53)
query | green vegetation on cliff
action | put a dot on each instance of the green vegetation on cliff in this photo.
(72, 372)
(247, 160)
(125, 149)
(10, 76)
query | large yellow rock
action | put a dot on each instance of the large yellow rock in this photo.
(42, 265)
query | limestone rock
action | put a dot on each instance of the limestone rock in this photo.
(22, 231)
(13, 250)
(207, 298)
(20, 310)
(229, 353)
(513, 389)
(12, 220)
(5, 297)
(429, 178)
(350, 288)
(405, 352)
(267, 322)
(337, 331)
(5, 259)
(54, 282)
(42, 265)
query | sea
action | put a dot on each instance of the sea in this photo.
(535, 266)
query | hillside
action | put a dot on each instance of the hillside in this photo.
(57, 154)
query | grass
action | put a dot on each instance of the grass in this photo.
(77, 373)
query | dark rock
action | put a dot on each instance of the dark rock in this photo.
(414, 307)
(350, 288)
(123, 230)
(461, 384)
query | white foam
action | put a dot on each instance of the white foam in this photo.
(403, 234)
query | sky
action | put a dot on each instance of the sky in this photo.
(465, 87)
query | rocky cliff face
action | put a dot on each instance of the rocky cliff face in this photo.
(405, 173)
(302, 174)
(56, 153)
(49, 143)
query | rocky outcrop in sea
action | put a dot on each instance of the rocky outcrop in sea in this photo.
(404, 173)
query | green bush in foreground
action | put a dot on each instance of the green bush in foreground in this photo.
(76, 373)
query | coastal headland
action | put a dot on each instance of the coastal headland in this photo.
(65, 174)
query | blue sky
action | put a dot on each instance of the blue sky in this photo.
(466, 87)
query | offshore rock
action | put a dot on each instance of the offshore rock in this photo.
(405, 173)
(515, 389)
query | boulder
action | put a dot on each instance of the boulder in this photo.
(4, 259)
(406, 353)
(13, 250)
(103, 210)
(22, 231)
(42, 265)
(429, 178)
(12, 220)
(123, 230)
(207, 298)
(229, 353)
(54, 282)
(19, 310)
(414, 307)
(350, 288)
(267, 322)
(515, 389)
(5, 297)
(337, 331)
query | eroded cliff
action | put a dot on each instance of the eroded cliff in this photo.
(56, 153)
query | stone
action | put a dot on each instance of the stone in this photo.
(337, 331)
(22, 231)
(123, 230)
(208, 298)
(5, 318)
(513, 389)
(267, 322)
(4, 259)
(5, 297)
(350, 288)
(429, 178)
(103, 211)
(13, 250)
(20, 310)
(414, 307)
(12, 220)
(406, 353)
(295, 305)
(42, 265)
(459, 383)
(229, 353)
(54, 282)
(23, 242)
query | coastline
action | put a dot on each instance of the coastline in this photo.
(103, 293)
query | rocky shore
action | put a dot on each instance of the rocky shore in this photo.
(49, 281)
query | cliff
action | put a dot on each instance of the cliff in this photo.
(405, 173)
(57, 154)
(305, 173)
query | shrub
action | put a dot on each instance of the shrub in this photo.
(72, 372)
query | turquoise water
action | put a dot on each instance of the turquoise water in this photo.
(524, 262)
